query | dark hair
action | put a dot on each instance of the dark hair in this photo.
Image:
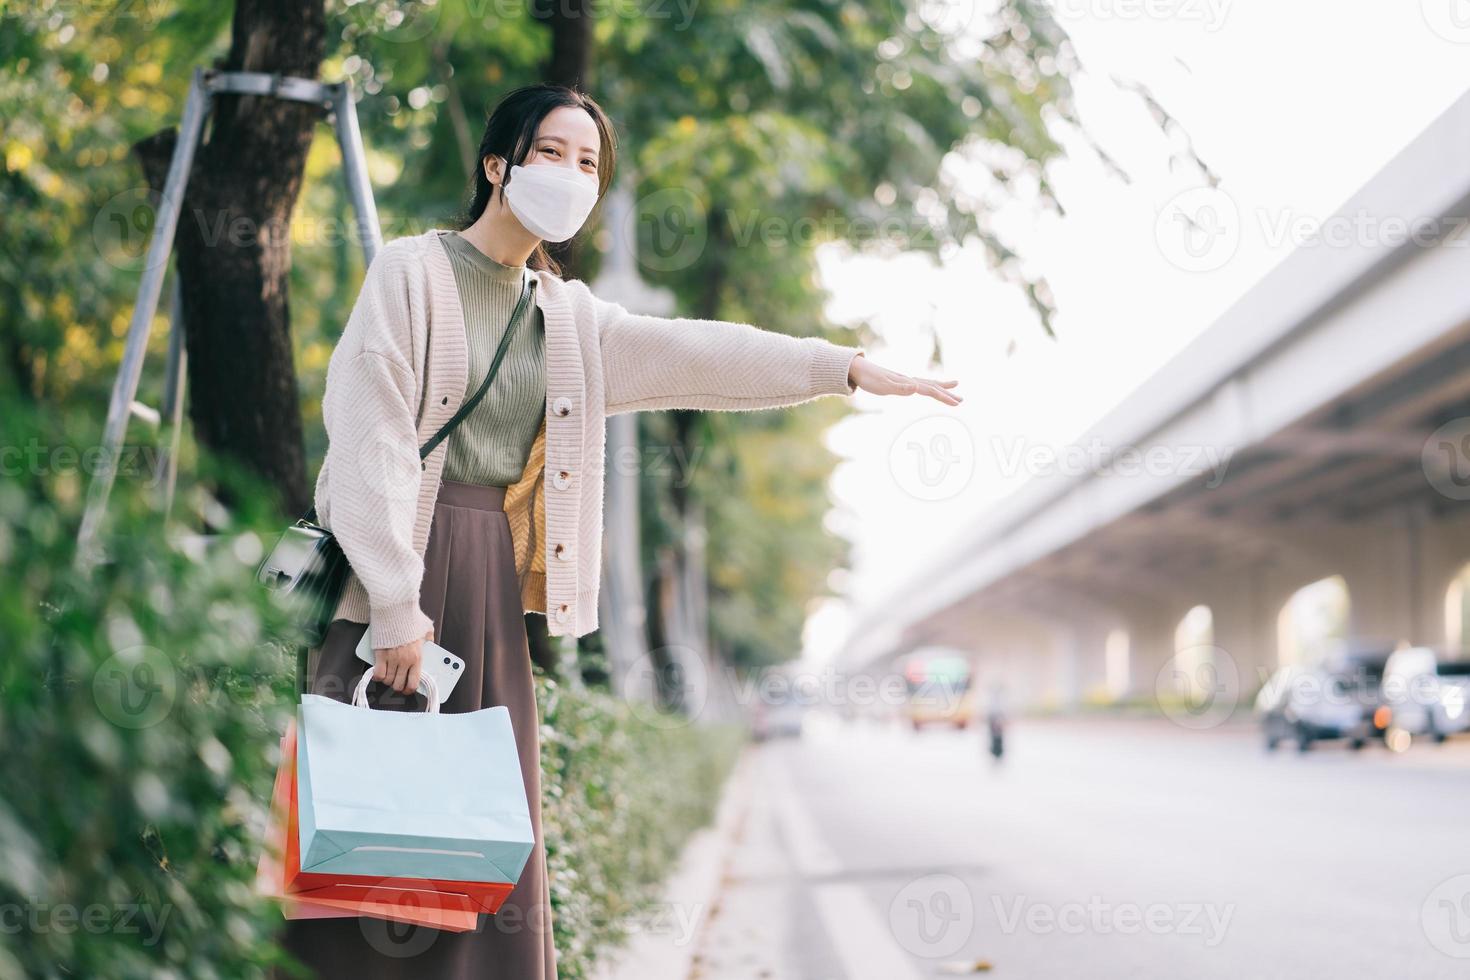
(510, 133)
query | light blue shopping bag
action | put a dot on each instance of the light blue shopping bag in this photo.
(410, 795)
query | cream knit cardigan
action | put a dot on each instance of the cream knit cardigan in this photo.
(399, 372)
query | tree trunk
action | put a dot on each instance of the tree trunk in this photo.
(571, 41)
(234, 248)
(19, 358)
(570, 64)
(663, 630)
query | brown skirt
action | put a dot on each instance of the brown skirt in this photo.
(471, 591)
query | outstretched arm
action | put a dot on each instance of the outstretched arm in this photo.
(652, 362)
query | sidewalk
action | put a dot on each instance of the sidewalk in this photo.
(782, 884)
(667, 946)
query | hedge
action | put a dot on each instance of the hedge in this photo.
(623, 787)
(140, 708)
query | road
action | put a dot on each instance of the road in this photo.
(1098, 849)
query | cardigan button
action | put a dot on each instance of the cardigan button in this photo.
(561, 552)
(561, 613)
(561, 479)
(562, 406)
(444, 400)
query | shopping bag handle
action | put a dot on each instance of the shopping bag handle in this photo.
(359, 696)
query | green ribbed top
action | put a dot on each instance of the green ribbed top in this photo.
(490, 447)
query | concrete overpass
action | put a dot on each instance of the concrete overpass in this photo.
(1326, 389)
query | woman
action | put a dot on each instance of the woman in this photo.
(505, 514)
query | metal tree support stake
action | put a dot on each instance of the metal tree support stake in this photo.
(206, 83)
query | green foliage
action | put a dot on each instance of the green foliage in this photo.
(755, 132)
(623, 787)
(138, 706)
(141, 703)
(79, 83)
(844, 116)
(765, 496)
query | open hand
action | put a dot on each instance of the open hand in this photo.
(881, 381)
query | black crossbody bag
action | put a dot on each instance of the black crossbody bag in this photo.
(307, 569)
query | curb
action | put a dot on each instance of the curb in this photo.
(689, 896)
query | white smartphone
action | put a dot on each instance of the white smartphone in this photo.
(437, 662)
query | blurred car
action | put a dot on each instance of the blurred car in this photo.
(1425, 695)
(939, 688)
(779, 714)
(1338, 699)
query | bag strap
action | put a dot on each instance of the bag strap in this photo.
(469, 405)
(473, 400)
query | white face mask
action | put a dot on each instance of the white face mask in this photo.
(551, 202)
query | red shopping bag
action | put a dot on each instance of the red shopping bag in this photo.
(445, 904)
(270, 873)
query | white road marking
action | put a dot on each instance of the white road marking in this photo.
(862, 939)
(810, 852)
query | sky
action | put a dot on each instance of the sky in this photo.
(1293, 104)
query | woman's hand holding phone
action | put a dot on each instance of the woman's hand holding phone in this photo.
(399, 666)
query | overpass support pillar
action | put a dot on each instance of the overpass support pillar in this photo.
(1394, 574)
(1245, 610)
(1150, 647)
